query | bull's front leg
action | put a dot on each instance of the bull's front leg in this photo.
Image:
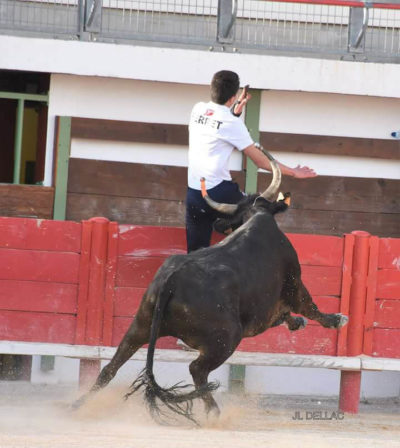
(303, 304)
(293, 322)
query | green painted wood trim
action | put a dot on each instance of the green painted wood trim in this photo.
(61, 172)
(237, 373)
(252, 121)
(19, 125)
(24, 96)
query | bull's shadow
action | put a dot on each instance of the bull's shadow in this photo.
(214, 297)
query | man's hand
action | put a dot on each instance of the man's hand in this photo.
(303, 172)
(241, 102)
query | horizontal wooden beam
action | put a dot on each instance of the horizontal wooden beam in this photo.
(336, 193)
(130, 131)
(329, 145)
(26, 201)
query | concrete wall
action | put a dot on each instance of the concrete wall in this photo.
(197, 66)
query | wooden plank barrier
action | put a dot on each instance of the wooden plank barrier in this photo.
(71, 289)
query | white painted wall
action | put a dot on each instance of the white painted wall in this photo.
(259, 380)
(164, 102)
(158, 154)
(124, 99)
(197, 66)
(118, 99)
(177, 155)
(329, 114)
(343, 165)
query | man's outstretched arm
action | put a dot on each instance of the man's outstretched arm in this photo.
(299, 172)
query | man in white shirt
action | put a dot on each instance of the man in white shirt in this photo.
(214, 131)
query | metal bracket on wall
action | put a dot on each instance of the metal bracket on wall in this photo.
(358, 24)
(227, 10)
(93, 15)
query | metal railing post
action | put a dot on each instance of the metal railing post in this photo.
(227, 10)
(18, 141)
(358, 24)
(81, 18)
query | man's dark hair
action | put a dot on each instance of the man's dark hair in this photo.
(224, 85)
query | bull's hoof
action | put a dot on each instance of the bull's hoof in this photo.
(297, 323)
(213, 413)
(343, 320)
(304, 323)
(78, 403)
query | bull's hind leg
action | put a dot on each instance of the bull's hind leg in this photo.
(303, 304)
(219, 349)
(136, 336)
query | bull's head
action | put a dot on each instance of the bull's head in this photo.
(237, 214)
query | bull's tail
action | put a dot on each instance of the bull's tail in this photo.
(171, 398)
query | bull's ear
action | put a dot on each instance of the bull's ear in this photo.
(286, 198)
(278, 207)
(223, 226)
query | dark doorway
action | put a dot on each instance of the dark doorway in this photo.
(33, 130)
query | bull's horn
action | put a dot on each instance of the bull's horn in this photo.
(227, 209)
(271, 191)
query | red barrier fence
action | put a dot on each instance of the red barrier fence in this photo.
(81, 283)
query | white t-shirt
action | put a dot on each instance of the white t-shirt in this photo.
(213, 134)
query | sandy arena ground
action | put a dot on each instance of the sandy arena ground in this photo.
(38, 417)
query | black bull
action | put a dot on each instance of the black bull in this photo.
(214, 297)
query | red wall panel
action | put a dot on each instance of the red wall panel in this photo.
(388, 284)
(38, 296)
(387, 314)
(386, 343)
(127, 301)
(37, 327)
(318, 250)
(40, 234)
(137, 271)
(322, 280)
(311, 340)
(42, 270)
(150, 241)
(389, 253)
(59, 267)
